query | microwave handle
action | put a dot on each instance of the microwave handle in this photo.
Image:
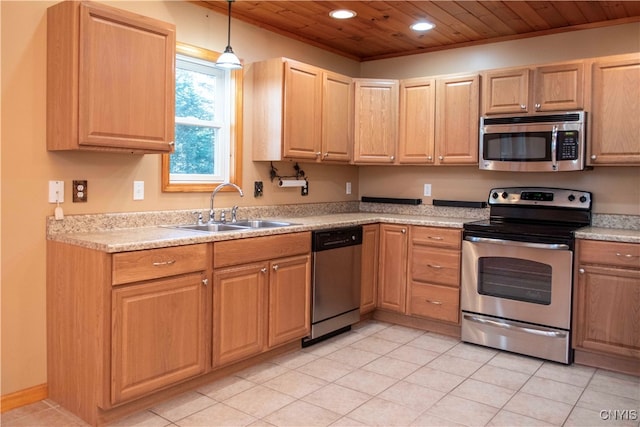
(554, 145)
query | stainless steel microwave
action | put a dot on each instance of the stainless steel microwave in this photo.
(537, 143)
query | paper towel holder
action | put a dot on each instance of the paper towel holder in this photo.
(299, 180)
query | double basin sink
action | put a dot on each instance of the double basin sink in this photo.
(216, 227)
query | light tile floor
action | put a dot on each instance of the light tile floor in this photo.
(386, 375)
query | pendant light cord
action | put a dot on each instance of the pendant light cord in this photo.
(229, 25)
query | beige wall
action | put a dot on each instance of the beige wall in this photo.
(26, 166)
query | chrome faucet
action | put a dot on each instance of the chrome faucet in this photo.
(214, 192)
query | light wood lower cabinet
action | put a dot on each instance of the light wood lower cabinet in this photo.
(369, 272)
(262, 294)
(392, 273)
(434, 273)
(122, 326)
(606, 303)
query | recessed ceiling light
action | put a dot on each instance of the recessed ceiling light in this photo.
(342, 14)
(422, 26)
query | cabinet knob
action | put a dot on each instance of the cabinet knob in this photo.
(523, 107)
(537, 106)
(263, 270)
(326, 155)
(440, 157)
(392, 158)
(171, 143)
(581, 270)
(593, 157)
(318, 153)
(275, 267)
(429, 158)
(404, 231)
(205, 282)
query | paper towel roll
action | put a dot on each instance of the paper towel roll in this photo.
(292, 183)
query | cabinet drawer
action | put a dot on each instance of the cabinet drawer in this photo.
(437, 237)
(243, 251)
(154, 263)
(609, 253)
(436, 302)
(435, 266)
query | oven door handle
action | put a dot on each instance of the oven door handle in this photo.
(552, 334)
(555, 246)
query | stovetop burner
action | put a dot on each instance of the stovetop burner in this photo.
(533, 214)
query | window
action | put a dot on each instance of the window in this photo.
(208, 124)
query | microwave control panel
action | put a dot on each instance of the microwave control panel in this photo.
(567, 145)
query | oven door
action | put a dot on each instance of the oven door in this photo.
(526, 282)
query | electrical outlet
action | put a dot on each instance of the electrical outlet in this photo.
(138, 190)
(304, 191)
(257, 189)
(427, 190)
(348, 188)
(79, 190)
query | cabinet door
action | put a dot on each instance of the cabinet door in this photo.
(615, 112)
(417, 121)
(337, 113)
(457, 120)
(375, 121)
(606, 307)
(392, 276)
(505, 91)
(158, 335)
(369, 272)
(126, 80)
(289, 299)
(559, 87)
(239, 303)
(302, 110)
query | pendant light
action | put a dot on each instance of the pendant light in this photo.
(228, 59)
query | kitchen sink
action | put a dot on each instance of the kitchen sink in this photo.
(214, 227)
(233, 226)
(261, 223)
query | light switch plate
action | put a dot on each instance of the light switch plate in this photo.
(56, 191)
(427, 190)
(138, 190)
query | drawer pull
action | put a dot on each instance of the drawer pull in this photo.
(627, 256)
(161, 263)
(434, 266)
(435, 237)
(433, 302)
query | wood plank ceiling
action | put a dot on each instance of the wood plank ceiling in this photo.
(381, 28)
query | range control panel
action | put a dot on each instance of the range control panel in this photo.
(540, 196)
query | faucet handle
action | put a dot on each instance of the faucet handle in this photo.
(234, 212)
(223, 216)
(199, 216)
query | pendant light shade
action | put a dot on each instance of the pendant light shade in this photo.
(228, 59)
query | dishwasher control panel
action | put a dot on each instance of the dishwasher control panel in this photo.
(336, 238)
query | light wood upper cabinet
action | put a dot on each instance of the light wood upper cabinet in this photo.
(556, 87)
(369, 272)
(457, 120)
(606, 301)
(110, 80)
(375, 121)
(300, 112)
(615, 111)
(416, 143)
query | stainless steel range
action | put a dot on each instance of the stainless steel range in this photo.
(517, 271)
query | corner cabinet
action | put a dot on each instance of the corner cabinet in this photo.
(554, 87)
(110, 80)
(375, 121)
(615, 111)
(123, 326)
(299, 112)
(261, 294)
(605, 307)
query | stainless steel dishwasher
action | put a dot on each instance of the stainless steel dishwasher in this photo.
(335, 285)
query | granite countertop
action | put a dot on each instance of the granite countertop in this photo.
(137, 238)
(608, 234)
